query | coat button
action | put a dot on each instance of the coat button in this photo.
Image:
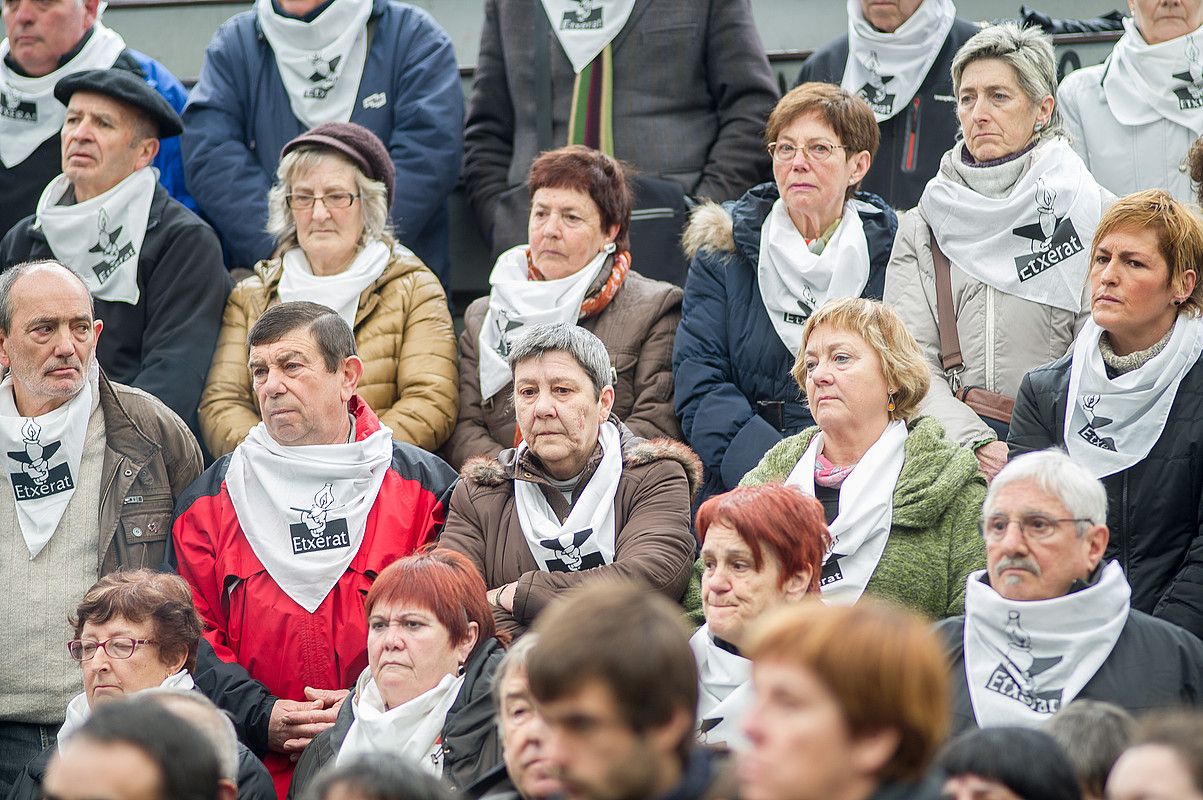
(136, 531)
(128, 472)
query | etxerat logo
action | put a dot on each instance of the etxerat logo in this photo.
(874, 90)
(323, 77)
(1190, 95)
(37, 478)
(1018, 675)
(587, 16)
(1052, 238)
(13, 107)
(571, 558)
(114, 254)
(317, 530)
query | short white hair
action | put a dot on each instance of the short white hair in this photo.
(1055, 473)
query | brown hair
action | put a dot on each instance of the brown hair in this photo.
(142, 594)
(445, 582)
(632, 641)
(847, 114)
(1195, 159)
(784, 519)
(1179, 236)
(1180, 731)
(594, 173)
(883, 664)
(883, 329)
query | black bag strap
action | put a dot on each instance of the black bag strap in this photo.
(542, 33)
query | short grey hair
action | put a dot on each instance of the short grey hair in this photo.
(372, 194)
(1093, 734)
(1053, 472)
(514, 659)
(1029, 52)
(585, 348)
(13, 274)
(200, 712)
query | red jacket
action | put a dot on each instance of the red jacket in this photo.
(252, 622)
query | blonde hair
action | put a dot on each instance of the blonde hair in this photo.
(883, 330)
(1179, 236)
(882, 663)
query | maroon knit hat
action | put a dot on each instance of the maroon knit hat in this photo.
(360, 145)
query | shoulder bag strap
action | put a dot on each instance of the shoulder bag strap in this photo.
(542, 33)
(946, 318)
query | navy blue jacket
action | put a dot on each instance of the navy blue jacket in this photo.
(22, 184)
(238, 118)
(728, 358)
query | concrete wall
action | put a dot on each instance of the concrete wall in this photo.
(176, 35)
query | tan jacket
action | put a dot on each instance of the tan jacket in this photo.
(150, 458)
(637, 327)
(1002, 336)
(404, 336)
(653, 541)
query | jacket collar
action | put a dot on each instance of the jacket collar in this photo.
(122, 434)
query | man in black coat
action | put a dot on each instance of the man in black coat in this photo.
(153, 267)
(915, 109)
(1048, 622)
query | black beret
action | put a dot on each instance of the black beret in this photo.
(125, 86)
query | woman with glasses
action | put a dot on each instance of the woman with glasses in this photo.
(329, 212)
(989, 272)
(576, 268)
(1125, 400)
(135, 630)
(759, 268)
(901, 501)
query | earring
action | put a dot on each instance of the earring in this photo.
(1177, 301)
(890, 405)
(460, 670)
(1039, 126)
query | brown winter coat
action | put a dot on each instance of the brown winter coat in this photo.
(404, 336)
(653, 543)
(637, 327)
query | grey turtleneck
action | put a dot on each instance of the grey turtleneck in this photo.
(1121, 365)
(994, 180)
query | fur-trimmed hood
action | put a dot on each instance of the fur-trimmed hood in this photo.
(710, 228)
(636, 452)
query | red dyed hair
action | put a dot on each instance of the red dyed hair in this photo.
(786, 520)
(591, 172)
(444, 582)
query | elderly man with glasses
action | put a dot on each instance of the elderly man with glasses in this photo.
(1048, 622)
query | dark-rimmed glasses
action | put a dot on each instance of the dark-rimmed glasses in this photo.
(304, 202)
(117, 647)
(1034, 527)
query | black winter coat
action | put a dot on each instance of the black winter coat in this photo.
(1155, 508)
(163, 343)
(1154, 665)
(471, 746)
(913, 140)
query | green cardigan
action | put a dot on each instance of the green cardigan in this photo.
(934, 539)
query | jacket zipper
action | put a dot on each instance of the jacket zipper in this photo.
(910, 142)
(1123, 521)
(988, 380)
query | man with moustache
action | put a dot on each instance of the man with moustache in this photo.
(1047, 622)
(153, 267)
(94, 469)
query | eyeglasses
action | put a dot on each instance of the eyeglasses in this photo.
(815, 151)
(304, 202)
(117, 647)
(1035, 527)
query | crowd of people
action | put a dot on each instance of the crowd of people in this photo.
(842, 444)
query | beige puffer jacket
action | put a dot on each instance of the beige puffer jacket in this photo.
(1002, 336)
(404, 336)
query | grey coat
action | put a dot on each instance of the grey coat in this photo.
(692, 91)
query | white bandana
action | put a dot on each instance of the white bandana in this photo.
(725, 691)
(886, 69)
(43, 455)
(100, 239)
(29, 112)
(515, 302)
(586, 539)
(861, 529)
(412, 731)
(794, 281)
(320, 62)
(78, 709)
(304, 509)
(1144, 83)
(340, 292)
(585, 27)
(1026, 660)
(1035, 242)
(1113, 423)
